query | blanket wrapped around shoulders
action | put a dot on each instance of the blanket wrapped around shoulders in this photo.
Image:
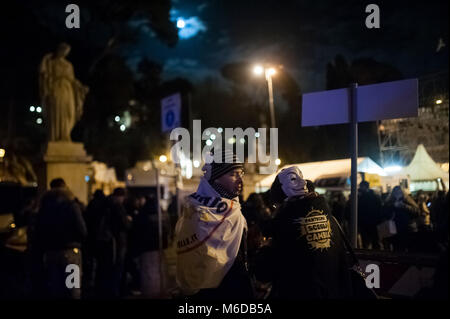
(208, 235)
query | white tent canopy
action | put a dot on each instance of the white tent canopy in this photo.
(422, 167)
(313, 170)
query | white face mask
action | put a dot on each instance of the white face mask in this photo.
(292, 182)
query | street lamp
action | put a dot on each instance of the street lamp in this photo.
(268, 72)
(163, 158)
(2, 155)
(258, 70)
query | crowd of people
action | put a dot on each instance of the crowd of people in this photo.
(114, 241)
(417, 223)
(288, 237)
(296, 244)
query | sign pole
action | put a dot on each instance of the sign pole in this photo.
(389, 100)
(354, 165)
(158, 201)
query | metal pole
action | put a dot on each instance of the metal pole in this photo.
(272, 108)
(158, 198)
(380, 144)
(178, 182)
(354, 169)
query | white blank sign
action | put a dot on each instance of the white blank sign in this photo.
(375, 102)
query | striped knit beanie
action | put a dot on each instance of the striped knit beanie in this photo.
(229, 162)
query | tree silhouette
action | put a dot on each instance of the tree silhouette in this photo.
(32, 29)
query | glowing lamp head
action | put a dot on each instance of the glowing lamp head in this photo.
(271, 72)
(163, 158)
(258, 70)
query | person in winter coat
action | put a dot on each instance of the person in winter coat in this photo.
(258, 215)
(337, 204)
(59, 233)
(439, 217)
(309, 255)
(146, 244)
(211, 235)
(369, 216)
(111, 245)
(92, 217)
(424, 220)
(404, 211)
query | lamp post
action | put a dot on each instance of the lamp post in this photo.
(178, 180)
(268, 72)
(158, 202)
(2, 155)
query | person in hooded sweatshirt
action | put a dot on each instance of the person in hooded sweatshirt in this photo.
(309, 253)
(211, 235)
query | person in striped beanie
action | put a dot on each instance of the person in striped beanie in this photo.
(225, 174)
(211, 235)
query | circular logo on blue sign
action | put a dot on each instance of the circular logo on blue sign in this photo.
(170, 118)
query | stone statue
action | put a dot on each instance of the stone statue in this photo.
(62, 95)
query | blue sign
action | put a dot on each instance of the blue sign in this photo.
(170, 112)
(374, 102)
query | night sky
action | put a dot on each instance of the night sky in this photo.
(303, 36)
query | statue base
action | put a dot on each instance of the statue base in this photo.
(69, 161)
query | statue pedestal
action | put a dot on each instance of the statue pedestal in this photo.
(69, 161)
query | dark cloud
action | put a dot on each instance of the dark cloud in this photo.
(304, 36)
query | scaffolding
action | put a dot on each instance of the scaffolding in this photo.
(399, 138)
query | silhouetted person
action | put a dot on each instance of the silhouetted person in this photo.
(257, 215)
(369, 216)
(309, 257)
(337, 205)
(92, 217)
(59, 233)
(111, 245)
(403, 210)
(133, 206)
(424, 220)
(173, 216)
(439, 217)
(146, 232)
